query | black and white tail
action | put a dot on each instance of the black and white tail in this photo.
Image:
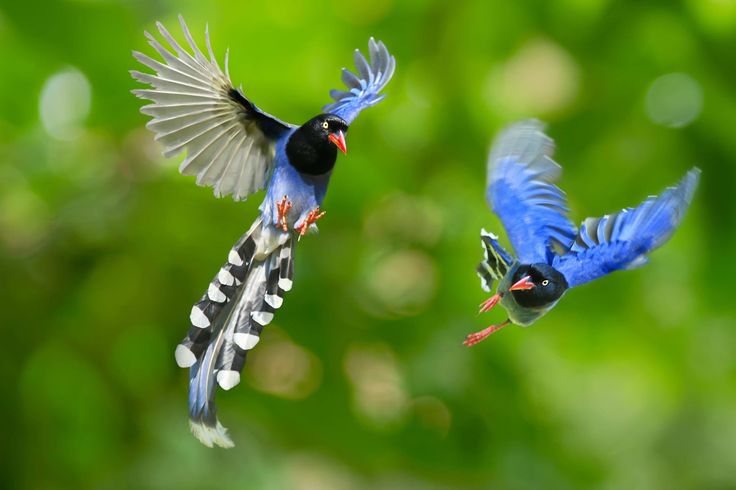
(228, 320)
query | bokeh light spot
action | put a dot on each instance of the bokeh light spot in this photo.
(65, 103)
(433, 414)
(404, 218)
(378, 391)
(313, 471)
(401, 283)
(674, 100)
(283, 368)
(717, 16)
(541, 78)
(24, 216)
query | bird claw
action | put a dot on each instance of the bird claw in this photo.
(488, 304)
(310, 219)
(476, 337)
(283, 207)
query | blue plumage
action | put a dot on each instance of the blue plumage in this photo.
(551, 254)
(622, 240)
(238, 149)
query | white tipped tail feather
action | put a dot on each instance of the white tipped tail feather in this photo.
(210, 436)
(228, 320)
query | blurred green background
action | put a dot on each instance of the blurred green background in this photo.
(362, 382)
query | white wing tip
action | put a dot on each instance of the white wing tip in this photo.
(210, 436)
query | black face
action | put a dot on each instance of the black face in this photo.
(548, 283)
(312, 149)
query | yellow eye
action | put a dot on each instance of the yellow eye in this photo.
(545, 282)
(325, 125)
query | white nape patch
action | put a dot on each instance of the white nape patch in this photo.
(198, 318)
(274, 300)
(228, 379)
(246, 341)
(234, 258)
(225, 277)
(262, 317)
(211, 435)
(285, 284)
(184, 356)
(215, 294)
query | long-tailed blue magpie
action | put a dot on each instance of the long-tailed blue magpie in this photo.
(238, 149)
(552, 255)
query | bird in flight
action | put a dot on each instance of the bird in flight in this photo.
(238, 149)
(553, 256)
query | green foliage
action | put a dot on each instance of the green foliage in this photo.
(362, 381)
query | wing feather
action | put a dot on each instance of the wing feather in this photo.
(522, 192)
(365, 87)
(622, 240)
(496, 261)
(229, 141)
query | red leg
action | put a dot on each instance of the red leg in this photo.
(311, 218)
(283, 207)
(476, 337)
(488, 304)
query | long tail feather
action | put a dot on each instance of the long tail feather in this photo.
(227, 323)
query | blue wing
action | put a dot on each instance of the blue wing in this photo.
(363, 89)
(521, 191)
(622, 240)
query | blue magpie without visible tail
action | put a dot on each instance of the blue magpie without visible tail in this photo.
(238, 149)
(553, 256)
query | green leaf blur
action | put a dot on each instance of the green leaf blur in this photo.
(362, 382)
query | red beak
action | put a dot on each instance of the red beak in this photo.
(338, 139)
(523, 284)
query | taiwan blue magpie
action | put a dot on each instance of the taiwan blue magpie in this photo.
(238, 149)
(552, 255)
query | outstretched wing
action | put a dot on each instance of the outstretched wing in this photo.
(496, 261)
(229, 141)
(622, 240)
(363, 89)
(522, 192)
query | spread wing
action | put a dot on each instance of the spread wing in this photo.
(622, 240)
(363, 89)
(229, 141)
(522, 192)
(496, 261)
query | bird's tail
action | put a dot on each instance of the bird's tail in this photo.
(228, 320)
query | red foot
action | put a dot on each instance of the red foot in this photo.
(488, 304)
(311, 218)
(476, 337)
(283, 207)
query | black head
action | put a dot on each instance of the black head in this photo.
(312, 149)
(537, 285)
